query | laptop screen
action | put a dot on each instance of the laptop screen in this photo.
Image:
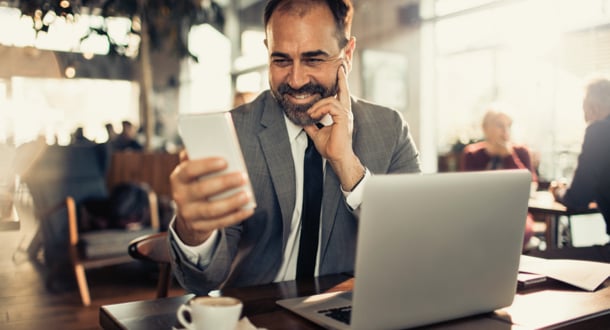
(431, 248)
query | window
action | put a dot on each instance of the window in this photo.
(55, 107)
(531, 55)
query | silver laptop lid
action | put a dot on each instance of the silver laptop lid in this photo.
(435, 247)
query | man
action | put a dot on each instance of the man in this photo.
(216, 243)
(591, 181)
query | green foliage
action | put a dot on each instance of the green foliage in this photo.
(168, 21)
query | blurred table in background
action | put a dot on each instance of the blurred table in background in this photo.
(10, 220)
(543, 205)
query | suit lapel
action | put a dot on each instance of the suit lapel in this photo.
(275, 145)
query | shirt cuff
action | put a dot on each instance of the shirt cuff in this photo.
(199, 255)
(354, 198)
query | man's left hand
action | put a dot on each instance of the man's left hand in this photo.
(334, 142)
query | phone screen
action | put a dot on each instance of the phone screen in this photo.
(213, 135)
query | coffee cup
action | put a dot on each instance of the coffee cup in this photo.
(210, 313)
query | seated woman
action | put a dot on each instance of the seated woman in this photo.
(497, 151)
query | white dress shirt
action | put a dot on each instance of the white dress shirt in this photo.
(201, 255)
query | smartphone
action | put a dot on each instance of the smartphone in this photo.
(213, 135)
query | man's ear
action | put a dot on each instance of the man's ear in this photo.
(592, 113)
(350, 48)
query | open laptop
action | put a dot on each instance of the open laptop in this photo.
(431, 248)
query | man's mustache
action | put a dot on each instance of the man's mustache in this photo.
(305, 89)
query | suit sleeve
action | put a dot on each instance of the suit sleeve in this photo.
(202, 280)
(582, 189)
(405, 158)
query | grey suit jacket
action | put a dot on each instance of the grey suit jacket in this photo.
(251, 253)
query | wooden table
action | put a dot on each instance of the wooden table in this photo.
(553, 306)
(543, 204)
(10, 222)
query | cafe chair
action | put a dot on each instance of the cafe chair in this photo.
(78, 214)
(154, 248)
(101, 248)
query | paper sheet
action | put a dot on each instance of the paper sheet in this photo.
(587, 275)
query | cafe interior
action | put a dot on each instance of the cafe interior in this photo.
(74, 72)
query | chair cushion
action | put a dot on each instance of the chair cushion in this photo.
(109, 242)
(127, 206)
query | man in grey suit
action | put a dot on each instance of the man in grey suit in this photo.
(219, 243)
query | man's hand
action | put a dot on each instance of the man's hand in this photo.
(193, 187)
(558, 189)
(334, 142)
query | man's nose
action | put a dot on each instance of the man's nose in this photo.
(298, 76)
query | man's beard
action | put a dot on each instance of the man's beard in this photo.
(297, 113)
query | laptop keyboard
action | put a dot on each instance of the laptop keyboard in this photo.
(341, 314)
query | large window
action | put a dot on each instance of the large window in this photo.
(53, 108)
(532, 56)
(205, 85)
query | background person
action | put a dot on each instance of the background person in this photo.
(591, 181)
(79, 138)
(216, 243)
(497, 151)
(126, 140)
(112, 134)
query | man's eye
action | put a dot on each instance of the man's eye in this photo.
(281, 62)
(313, 61)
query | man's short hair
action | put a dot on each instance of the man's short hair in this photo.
(342, 11)
(597, 94)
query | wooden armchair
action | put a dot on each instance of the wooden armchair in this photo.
(101, 248)
(62, 182)
(154, 248)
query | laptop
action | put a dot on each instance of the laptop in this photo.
(431, 248)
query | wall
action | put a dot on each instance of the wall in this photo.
(389, 25)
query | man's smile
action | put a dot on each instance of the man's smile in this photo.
(301, 98)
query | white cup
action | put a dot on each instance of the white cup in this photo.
(210, 313)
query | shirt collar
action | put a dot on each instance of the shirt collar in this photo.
(293, 129)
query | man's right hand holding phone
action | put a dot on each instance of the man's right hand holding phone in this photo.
(197, 215)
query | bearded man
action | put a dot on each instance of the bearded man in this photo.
(216, 242)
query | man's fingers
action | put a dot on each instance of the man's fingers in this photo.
(343, 89)
(187, 170)
(183, 156)
(210, 187)
(223, 211)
